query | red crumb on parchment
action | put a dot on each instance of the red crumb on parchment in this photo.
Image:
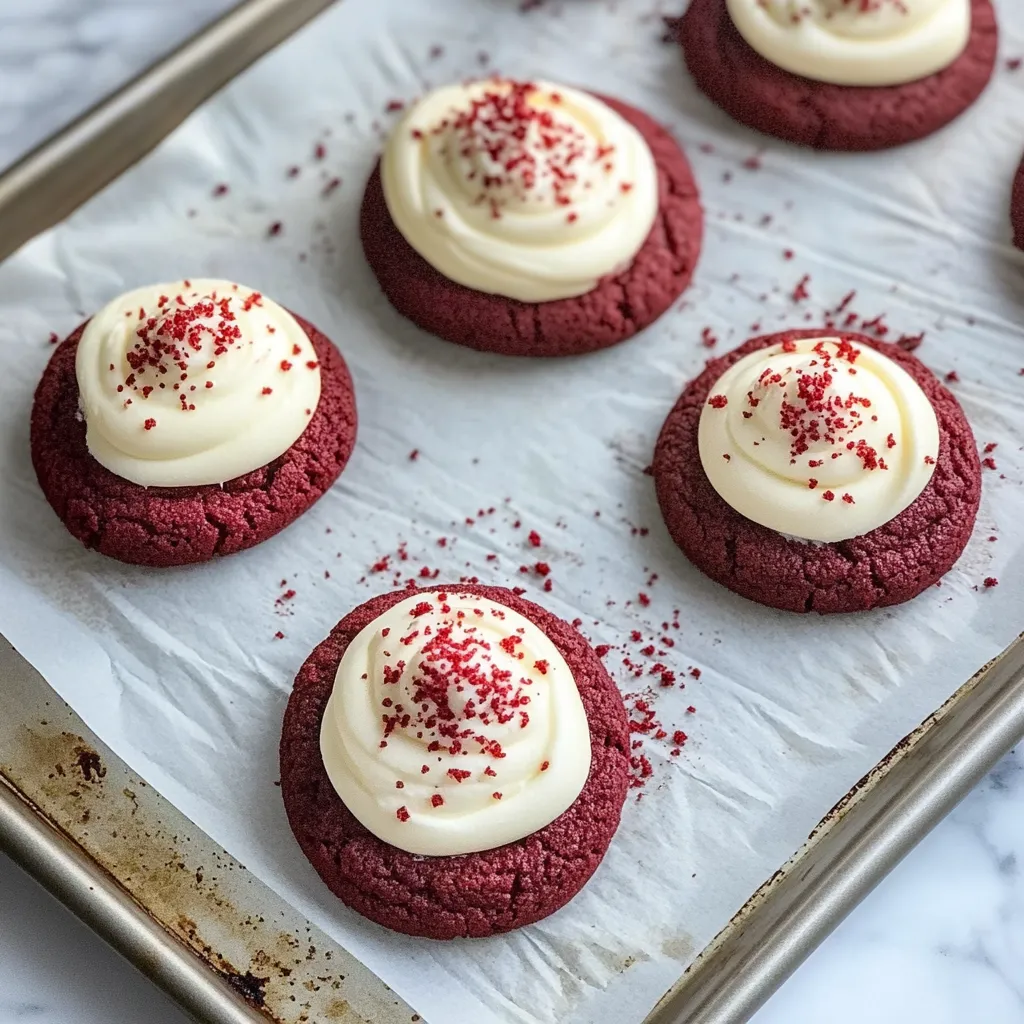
(491, 544)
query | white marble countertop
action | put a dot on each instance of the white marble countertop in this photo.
(941, 940)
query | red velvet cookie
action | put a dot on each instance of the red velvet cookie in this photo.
(471, 895)
(620, 306)
(763, 96)
(164, 526)
(887, 566)
(1017, 207)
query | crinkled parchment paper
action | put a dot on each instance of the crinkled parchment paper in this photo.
(181, 672)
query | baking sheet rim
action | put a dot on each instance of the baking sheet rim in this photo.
(738, 985)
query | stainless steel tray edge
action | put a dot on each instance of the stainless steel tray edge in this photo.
(61, 173)
(237, 965)
(865, 835)
(154, 886)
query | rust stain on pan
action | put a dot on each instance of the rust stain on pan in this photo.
(276, 972)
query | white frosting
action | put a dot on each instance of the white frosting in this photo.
(856, 42)
(818, 439)
(532, 191)
(454, 726)
(194, 382)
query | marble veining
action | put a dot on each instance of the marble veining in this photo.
(58, 57)
(940, 941)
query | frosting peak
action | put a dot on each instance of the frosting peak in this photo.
(454, 726)
(524, 189)
(818, 438)
(856, 42)
(194, 382)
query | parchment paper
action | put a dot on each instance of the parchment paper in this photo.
(181, 673)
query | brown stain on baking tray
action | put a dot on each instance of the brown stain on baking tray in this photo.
(278, 973)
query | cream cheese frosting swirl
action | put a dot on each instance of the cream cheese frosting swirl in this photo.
(818, 439)
(856, 42)
(454, 726)
(528, 190)
(194, 382)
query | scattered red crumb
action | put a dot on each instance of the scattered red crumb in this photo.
(643, 599)
(952, 377)
(601, 650)
(707, 338)
(989, 463)
(393, 106)
(695, 673)
(991, 581)
(718, 401)
(330, 186)
(642, 770)
(149, 424)
(279, 635)
(53, 338)
(909, 342)
(436, 800)
(991, 447)
(788, 254)
(876, 326)
(800, 292)
(402, 814)
(1013, 63)
(275, 229)
(220, 190)
(542, 568)
(534, 538)
(319, 151)
(691, 710)
(414, 454)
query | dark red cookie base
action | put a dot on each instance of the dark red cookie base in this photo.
(619, 307)
(763, 96)
(1017, 207)
(165, 526)
(476, 894)
(884, 567)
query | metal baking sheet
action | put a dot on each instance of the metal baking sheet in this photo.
(970, 732)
